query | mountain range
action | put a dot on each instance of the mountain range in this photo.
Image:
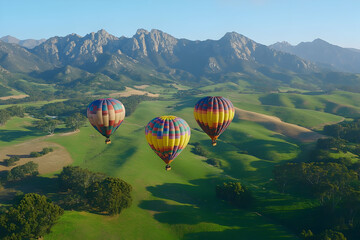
(74, 62)
(324, 53)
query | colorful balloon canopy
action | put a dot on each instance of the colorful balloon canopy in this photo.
(214, 115)
(167, 137)
(106, 115)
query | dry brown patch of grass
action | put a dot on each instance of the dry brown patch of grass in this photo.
(131, 91)
(14, 96)
(141, 86)
(48, 163)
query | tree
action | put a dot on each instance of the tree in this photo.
(330, 235)
(285, 175)
(16, 110)
(32, 218)
(47, 125)
(11, 161)
(42, 153)
(214, 162)
(111, 195)
(329, 143)
(307, 234)
(77, 179)
(75, 121)
(235, 193)
(198, 150)
(4, 116)
(20, 172)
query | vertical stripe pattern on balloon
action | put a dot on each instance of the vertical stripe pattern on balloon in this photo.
(106, 115)
(167, 136)
(214, 115)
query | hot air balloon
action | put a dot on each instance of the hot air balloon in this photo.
(106, 115)
(167, 137)
(214, 115)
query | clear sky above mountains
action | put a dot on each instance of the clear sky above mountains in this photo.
(265, 21)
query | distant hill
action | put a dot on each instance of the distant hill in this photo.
(28, 43)
(324, 53)
(15, 58)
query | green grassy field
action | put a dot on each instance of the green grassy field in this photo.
(181, 203)
(18, 130)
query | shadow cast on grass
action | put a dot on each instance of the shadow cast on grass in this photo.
(196, 203)
(35, 184)
(13, 135)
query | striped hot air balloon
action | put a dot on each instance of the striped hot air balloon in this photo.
(167, 137)
(214, 115)
(106, 115)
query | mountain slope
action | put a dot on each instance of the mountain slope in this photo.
(161, 50)
(320, 51)
(28, 43)
(15, 58)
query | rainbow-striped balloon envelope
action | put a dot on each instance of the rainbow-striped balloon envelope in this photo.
(106, 115)
(214, 115)
(167, 137)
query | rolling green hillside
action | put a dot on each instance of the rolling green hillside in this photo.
(181, 203)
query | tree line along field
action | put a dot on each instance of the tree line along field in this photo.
(181, 204)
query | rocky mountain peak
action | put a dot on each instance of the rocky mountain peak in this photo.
(240, 46)
(141, 31)
(100, 35)
(318, 40)
(153, 41)
(284, 43)
(234, 36)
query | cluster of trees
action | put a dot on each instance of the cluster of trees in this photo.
(74, 122)
(72, 112)
(346, 130)
(63, 110)
(187, 93)
(325, 235)
(22, 171)
(199, 150)
(11, 161)
(235, 193)
(334, 181)
(47, 125)
(31, 218)
(329, 181)
(7, 113)
(95, 191)
(214, 162)
(41, 153)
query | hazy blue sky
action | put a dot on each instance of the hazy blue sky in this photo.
(265, 21)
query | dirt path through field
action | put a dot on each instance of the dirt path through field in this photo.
(48, 163)
(275, 124)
